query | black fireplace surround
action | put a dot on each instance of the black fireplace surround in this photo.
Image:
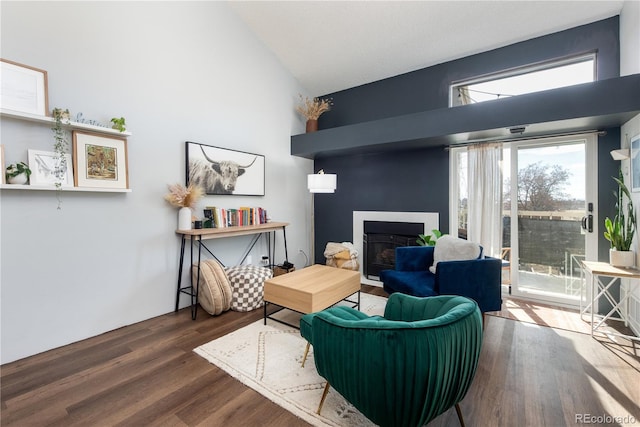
(379, 243)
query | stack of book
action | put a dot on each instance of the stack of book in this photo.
(220, 217)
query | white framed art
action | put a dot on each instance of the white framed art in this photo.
(24, 88)
(46, 169)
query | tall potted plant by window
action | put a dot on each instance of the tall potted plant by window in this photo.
(622, 228)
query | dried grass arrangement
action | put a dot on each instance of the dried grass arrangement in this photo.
(184, 197)
(311, 109)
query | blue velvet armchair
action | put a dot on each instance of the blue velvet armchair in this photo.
(478, 279)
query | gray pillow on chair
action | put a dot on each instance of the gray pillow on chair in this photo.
(449, 248)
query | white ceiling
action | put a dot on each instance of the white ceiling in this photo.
(334, 45)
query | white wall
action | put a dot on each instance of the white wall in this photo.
(630, 38)
(630, 64)
(628, 131)
(177, 71)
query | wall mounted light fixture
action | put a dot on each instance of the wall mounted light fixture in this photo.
(322, 182)
(621, 154)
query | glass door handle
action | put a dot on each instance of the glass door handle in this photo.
(587, 223)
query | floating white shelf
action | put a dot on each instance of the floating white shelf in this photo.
(49, 188)
(70, 125)
(35, 118)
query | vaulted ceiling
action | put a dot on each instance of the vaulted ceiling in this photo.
(334, 45)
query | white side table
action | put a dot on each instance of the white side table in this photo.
(603, 276)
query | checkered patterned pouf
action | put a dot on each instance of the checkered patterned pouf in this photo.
(247, 286)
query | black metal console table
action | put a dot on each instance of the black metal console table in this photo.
(198, 235)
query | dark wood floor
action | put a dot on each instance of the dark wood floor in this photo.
(147, 374)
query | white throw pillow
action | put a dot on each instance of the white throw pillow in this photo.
(449, 248)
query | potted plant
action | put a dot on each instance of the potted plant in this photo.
(427, 240)
(622, 228)
(18, 173)
(311, 109)
(119, 124)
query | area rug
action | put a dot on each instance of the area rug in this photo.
(268, 359)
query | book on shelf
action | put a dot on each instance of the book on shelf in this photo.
(208, 218)
(235, 217)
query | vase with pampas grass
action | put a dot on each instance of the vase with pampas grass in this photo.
(184, 198)
(311, 109)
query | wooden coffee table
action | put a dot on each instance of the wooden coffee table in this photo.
(310, 289)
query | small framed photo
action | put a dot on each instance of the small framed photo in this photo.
(100, 161)
(24, 88)
(635, 163)
(223, 171)
(47, 169)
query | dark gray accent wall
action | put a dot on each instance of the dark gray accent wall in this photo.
(404, 181)
(578, 108)
(607, 169)
(428, 88)
(418, 179)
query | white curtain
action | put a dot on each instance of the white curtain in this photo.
(485, 197)
(463, 93)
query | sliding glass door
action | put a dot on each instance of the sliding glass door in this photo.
(549, 186)
(547, 194)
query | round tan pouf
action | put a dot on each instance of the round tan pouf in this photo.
(214, 291)
(247, 286)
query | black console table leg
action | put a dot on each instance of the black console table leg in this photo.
(284, 235)
(178, 291)
(265, 311)
(194, 289)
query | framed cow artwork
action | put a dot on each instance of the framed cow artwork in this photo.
(222, 171)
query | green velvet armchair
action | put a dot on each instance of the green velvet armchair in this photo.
(403, 369)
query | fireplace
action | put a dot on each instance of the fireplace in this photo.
(426, 221)
(380, 240)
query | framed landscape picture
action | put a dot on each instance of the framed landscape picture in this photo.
(100, 161)
(46, 169)
(223, 171)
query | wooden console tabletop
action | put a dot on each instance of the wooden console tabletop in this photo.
(240, 230)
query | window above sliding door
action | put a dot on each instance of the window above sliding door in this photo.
(529, 79)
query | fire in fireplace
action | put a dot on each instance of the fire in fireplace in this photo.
(380, 240)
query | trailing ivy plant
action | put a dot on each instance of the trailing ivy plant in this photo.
(60, 147)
